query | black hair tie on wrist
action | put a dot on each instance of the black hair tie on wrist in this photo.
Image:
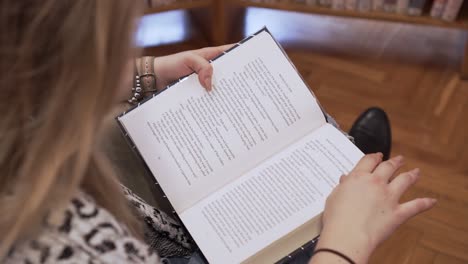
(343, 256)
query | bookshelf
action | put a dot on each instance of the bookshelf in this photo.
(425, 19)
(220, 10)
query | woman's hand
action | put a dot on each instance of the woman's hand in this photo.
(364, 209)
(172, 67)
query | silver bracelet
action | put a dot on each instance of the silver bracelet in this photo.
(137, 91)
(145, 80)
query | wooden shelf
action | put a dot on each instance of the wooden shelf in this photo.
(222, 8)
(188, 4)
(289, 6)
(461, 23)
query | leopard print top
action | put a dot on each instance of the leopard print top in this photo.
(87, 233)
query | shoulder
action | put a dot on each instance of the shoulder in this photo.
(83, 232)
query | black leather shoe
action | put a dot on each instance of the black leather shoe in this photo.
(372, 132)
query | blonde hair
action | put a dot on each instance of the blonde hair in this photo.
(60, 65)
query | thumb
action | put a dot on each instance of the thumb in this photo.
(202, 67)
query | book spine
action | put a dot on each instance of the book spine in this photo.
(451, 10)
(415, 7)
(311, 2)
(377, 5)
(325, 2)
(437, 8)
(307, 247)
(338, 4)
(350, 4)
(364, 5)
(157, 188)
(389, 6)
(402, 7)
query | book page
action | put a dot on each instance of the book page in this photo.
(272, 200)
(194, 142)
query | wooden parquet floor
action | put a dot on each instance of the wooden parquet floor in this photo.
(411, 72)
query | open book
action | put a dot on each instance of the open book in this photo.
(247, 167)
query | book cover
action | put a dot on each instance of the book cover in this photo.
(451, 10)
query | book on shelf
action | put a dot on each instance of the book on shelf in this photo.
(247, 167)
(437, 8)
(325, 2)
(451, 10)
(156, 3)
(364, 5)
(402, 7)
(377, 5)
(415, 7)
(351, 4)
(389, 6)
(302, 2)
(338, 4)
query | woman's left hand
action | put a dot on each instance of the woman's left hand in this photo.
(364, 209)
(172, 67)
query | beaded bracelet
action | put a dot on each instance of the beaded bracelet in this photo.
(137, 91)
(144, 82)
(343, 256)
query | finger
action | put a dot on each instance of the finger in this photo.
(414, 207)
(202, 67)
(403, 181)
(211, 52)
(368, 163)
(386, 169)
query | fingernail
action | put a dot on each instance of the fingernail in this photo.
(398, 159)
(433, 200)
(415, 174)
(380, 154)
(208, 83)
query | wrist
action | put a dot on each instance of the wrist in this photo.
(159, 72)
(146, 75)
(355, 245)
(331, 256)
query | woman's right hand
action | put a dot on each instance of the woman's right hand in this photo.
(364, 209)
